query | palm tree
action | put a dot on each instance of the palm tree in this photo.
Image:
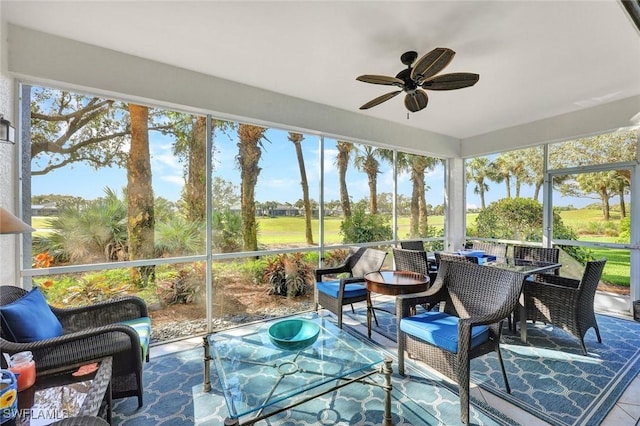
(502, 173)
(249, 153)
(342, 161)
(141, 218)
(420, 165)
(478, 170)
(296, 139)
(365, 160)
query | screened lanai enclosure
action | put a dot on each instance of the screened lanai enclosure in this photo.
(209, 157)
(213, 220)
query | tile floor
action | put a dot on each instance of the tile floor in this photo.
(625, 413)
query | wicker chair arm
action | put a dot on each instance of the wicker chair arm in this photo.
(405, 303)
(332, 270)
(101, 313)
(538, 288)
(351, 280)
(87, 334)
(489, 319)
(79, 346)
(550, 279)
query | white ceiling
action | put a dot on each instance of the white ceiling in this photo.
(536, 59)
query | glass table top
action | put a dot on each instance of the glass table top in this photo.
(255, 374)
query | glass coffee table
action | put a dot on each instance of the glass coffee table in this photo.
(259, 379)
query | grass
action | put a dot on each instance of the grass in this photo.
(279, 231)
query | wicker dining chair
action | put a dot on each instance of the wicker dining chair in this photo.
(565, 302)
(490, 249)
(543, 254)
(347, 290)
(89, 333)
(476, 300)
(413, 261)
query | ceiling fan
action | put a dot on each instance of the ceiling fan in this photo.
(418, 76)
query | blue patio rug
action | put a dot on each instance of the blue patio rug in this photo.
(174, 396)
(549, 376)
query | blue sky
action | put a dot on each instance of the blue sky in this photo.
(279, 179)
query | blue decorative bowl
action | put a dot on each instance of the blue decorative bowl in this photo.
(294, 334)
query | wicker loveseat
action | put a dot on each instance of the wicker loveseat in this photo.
(88, 333)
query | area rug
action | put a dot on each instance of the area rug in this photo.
(549, 375)
(174, 395)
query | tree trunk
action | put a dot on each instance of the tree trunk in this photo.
(422, 199)
(344, 148)
(373, 192)
(414, 221)
(249, 154)
(141, 220)
(623, 206)
(296, 138)
(196, 185)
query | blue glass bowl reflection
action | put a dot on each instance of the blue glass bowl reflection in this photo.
(294, 334)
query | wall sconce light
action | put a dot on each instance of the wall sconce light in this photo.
(7, 131)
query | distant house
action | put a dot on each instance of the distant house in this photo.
(47, 209)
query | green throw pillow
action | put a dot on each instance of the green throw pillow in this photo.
(30, 319)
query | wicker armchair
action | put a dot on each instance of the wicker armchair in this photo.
(89, 333)
(491, 249)
(538, 253)
(476, 301)
(334, 294)
(412, 245)
(565, 302)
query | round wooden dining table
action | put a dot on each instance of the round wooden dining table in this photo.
(392, 283)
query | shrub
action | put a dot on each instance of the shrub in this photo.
(521, 219)
(625, 230)
(227, 231)
(288, 274)
(362, 227)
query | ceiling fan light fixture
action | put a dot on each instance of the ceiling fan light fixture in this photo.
(419, 76)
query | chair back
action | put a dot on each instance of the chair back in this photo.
(491, 249)
(590, 279)
(411, 260)
(451, 257)
(9, 294)
(542, 254)
(479, 290)
(412, 245)
(366, 260)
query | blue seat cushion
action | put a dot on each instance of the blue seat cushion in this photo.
(30, 319)
(331, 288)
(142, 326)
(441, 329)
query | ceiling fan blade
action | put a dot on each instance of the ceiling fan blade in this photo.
(381, 79)
(432, 63)
(416, 101)
(456, 80)
(380, 99)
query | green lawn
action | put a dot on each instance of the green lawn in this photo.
(279, 231)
